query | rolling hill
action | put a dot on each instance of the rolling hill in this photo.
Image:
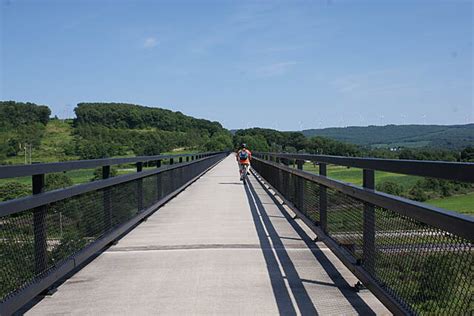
(411, 136)
(102, 130)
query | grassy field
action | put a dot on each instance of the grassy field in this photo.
(459, 203)
(354, 175)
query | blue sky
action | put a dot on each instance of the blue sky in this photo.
(287, 65)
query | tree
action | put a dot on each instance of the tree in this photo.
(467, 154)
(254, 143)
(58, 180)
(417, 193)
(219, 142)
(390, 188)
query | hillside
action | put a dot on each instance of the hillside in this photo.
(412, 136)
(116, 129)
(102, 130)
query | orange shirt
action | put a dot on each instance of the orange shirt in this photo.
(246, 161)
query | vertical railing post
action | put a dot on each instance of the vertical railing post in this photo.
(107, 200)
(323, 200)
(369, 224)
(300, 187)
(140, 187)
(39, 227)
(159, 186)
(280, 176)
(171, 174)
(286, 179)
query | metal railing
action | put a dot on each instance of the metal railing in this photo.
(45, 236)
(416, 258)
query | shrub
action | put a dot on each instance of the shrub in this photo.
(390, 188)
(13, 190)
(55, 181)
(417, 193)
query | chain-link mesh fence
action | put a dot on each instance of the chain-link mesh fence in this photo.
(425, 269)
(33, 243)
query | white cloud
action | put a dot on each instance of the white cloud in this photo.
(150, 42)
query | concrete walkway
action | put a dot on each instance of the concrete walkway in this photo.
(217, 248)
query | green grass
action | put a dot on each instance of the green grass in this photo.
(22, 180)
(354, 175)
(415, 144)
(181, 151)
(57, 135)
(81, 175)
(460, 203)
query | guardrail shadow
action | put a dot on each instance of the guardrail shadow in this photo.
(302, 298)
(280, 290)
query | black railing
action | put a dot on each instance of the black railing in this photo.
(48, 234)
(416, 258)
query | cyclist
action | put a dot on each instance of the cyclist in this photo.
(243, 158)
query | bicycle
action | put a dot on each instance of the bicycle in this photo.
(244, 173)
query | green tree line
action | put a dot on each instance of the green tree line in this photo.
(111, 129)
(21, 124)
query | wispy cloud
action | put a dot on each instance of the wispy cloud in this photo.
(150, 42)
(275, 69)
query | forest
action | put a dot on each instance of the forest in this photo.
(132, 129)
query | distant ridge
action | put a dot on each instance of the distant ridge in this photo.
(412, 136)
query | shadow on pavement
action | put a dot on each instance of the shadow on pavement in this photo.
(280, 290)
(304, 302)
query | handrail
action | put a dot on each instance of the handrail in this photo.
(29, 202)
(111, 221)
(449, 221)
(458, 171)
(382, 238)
(14, 171)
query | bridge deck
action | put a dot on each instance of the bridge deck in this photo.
(217, 248)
